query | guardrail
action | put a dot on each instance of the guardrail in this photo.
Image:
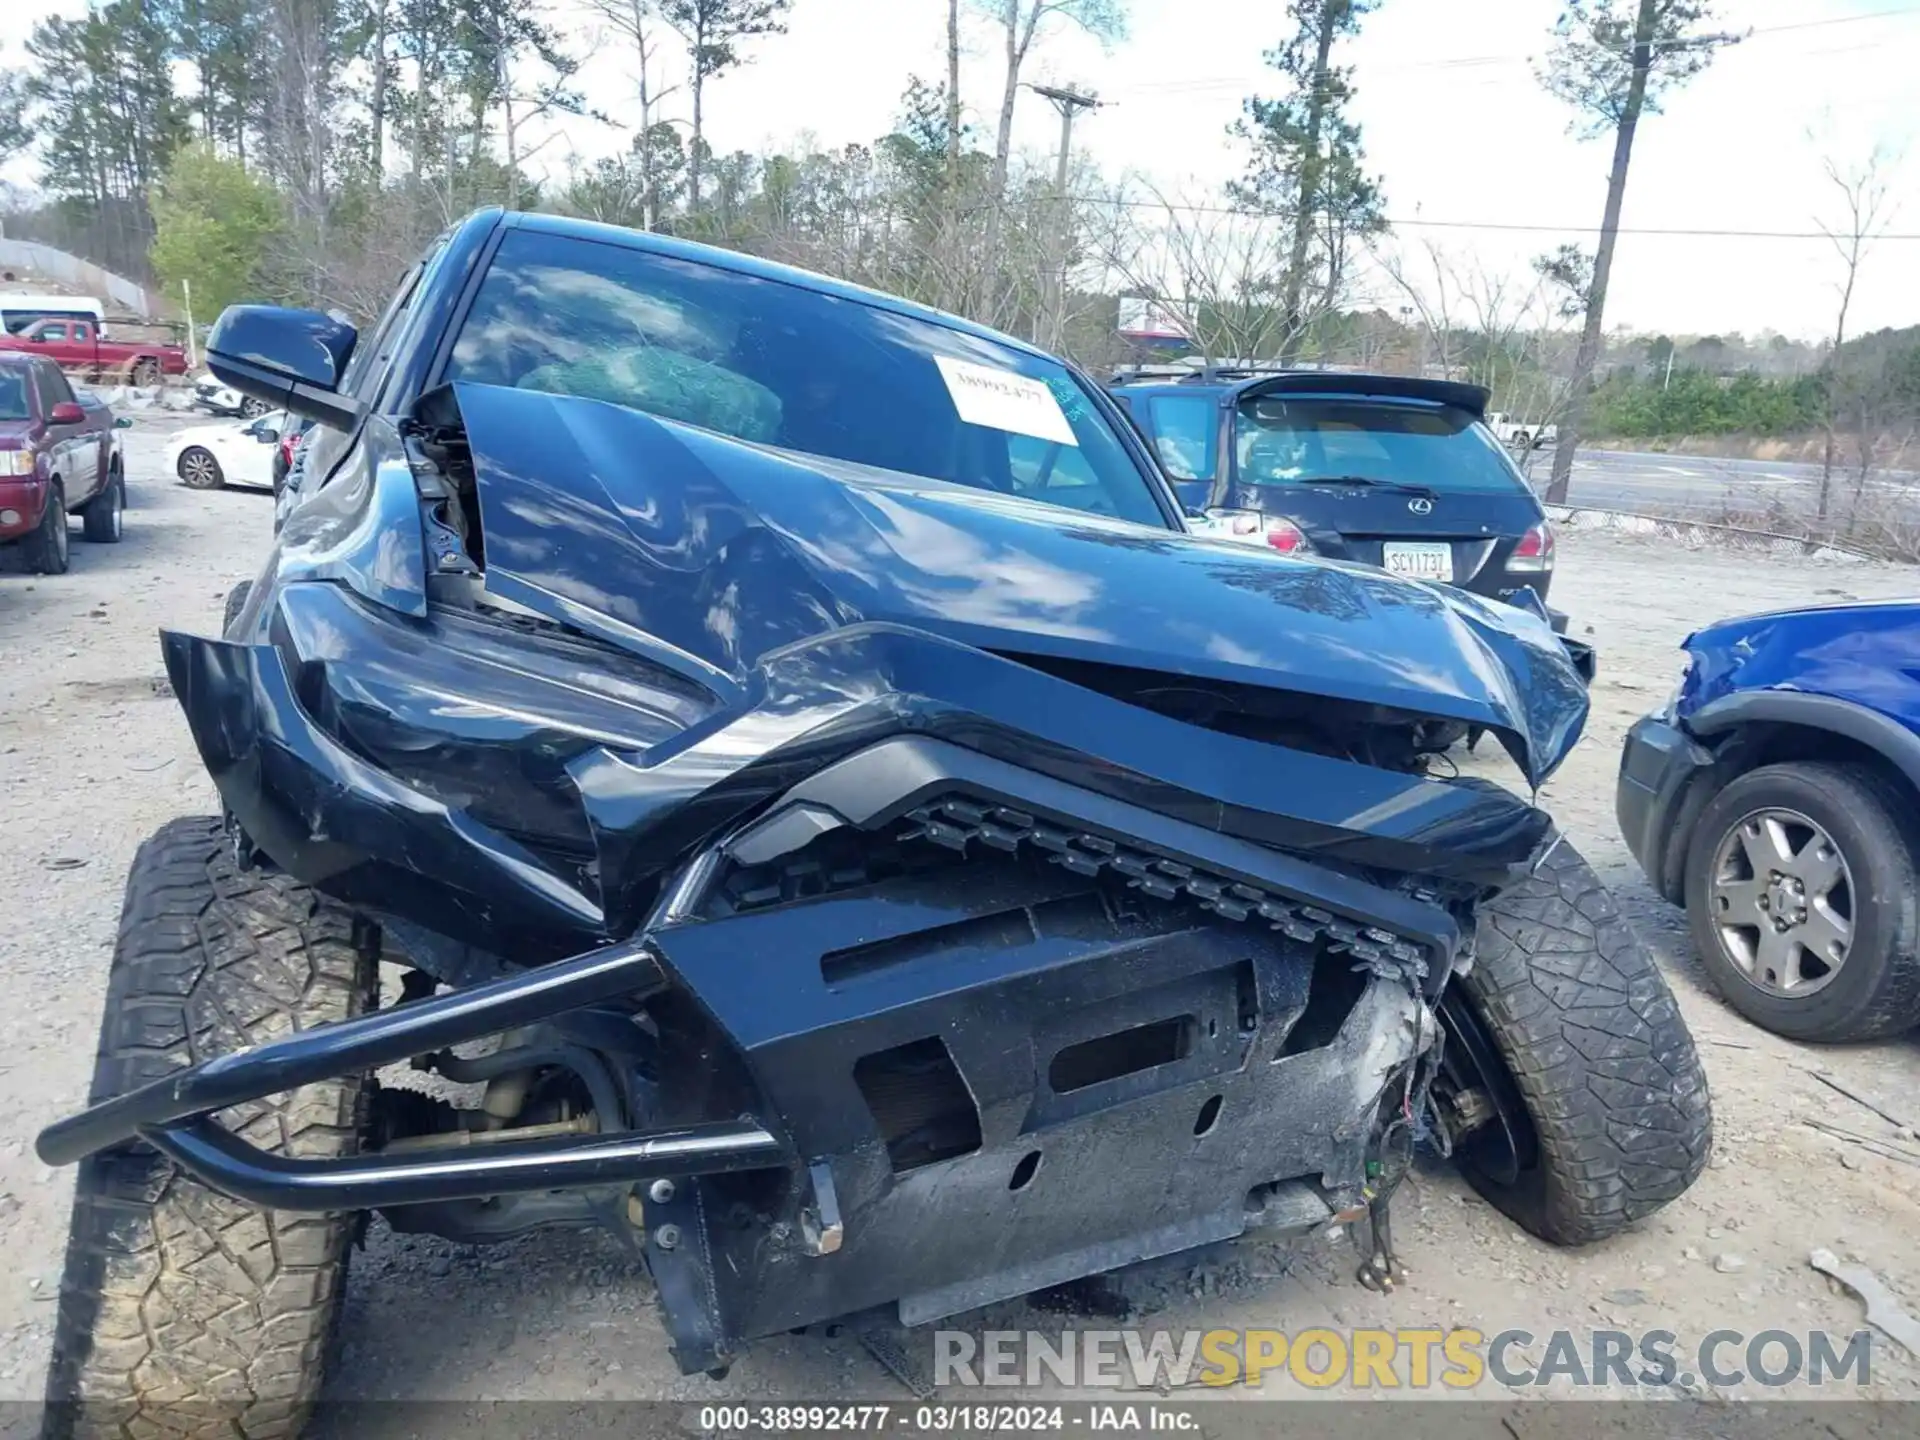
(1698, 532)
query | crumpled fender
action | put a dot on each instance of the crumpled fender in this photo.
(708, 554)
(1866, 654)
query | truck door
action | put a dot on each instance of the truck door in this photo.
(54, 340)
(78, 449)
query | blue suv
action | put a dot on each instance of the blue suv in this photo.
(1777, 797)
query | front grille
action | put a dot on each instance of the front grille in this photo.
(958, 824)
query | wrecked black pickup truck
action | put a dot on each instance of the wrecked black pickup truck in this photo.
(830, 828)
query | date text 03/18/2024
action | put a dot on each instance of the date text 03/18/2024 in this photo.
(976, 1419)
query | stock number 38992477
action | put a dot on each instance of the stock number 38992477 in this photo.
(899, 1419)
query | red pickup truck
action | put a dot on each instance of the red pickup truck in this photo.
(76, 345)
(58, 456)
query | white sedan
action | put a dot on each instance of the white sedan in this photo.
(228, 452)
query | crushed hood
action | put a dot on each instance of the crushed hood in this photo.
(721, 552)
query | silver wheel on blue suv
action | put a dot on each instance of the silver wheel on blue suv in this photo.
(1777, 796)
(1802, 897)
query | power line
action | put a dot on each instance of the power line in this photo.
(1120, 202)
(1418, 224)
(1201, 84)
(1640, 230)
(1837, 20)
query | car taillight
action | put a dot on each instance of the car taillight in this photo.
(1250, 527)
(1287, 537)
(1535, 551)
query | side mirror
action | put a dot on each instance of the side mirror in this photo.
(66, 412)
(292, 359)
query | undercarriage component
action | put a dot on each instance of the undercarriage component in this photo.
(1478, 1106)
(510, 1072)
(490, 1219)
(405, 1119)
(1380, 1267)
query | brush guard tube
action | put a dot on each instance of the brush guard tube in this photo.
(233, 1167)
(174, 1114)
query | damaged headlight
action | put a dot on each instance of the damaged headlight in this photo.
(1670, 707)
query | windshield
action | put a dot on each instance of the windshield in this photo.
(777, 364)
(1289, 440)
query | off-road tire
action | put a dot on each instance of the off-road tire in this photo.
(1876, 992)
(1598, 1052)
(101, 521)
(236, 602)
(48, 550)
(182, 1312)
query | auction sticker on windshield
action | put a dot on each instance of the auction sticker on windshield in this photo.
(1001, 400)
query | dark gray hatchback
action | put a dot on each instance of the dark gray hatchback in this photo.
(1385, 470)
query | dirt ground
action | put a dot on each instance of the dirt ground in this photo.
(92, 759)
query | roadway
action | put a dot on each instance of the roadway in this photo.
(1705, 487)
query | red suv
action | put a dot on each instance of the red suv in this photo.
(57, 457)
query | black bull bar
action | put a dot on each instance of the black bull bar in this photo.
(175, 1114)
(1282, 1033)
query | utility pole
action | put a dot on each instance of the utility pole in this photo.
(1069, 103)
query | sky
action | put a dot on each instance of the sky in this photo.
(1474, 156)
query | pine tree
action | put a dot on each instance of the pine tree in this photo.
(1307, 164)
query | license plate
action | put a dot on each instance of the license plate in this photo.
(1421, 562)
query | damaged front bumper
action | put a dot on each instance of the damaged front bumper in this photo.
(895, 1088)
(958, 1094)
(752, 1229)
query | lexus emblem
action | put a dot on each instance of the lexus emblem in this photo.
(1420, 505)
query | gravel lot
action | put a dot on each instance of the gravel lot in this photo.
(92, 759)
